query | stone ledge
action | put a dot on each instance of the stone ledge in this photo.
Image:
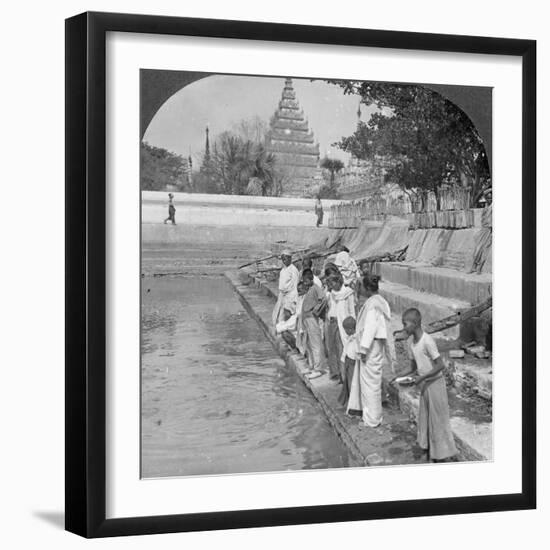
(401, 297)
(473, 437)
(449, 283)
(471, 376)
(255, 235)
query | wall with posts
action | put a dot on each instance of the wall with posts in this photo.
(454, 210)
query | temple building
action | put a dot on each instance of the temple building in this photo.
(292, 142)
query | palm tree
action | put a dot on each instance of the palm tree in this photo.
(333, 166)
(236, 161)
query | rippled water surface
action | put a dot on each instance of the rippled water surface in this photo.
(215, 397)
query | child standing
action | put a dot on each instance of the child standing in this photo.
(434, 427)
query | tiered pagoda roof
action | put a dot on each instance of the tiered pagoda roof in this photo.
(293, 145)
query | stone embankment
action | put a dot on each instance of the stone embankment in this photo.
(443, 270)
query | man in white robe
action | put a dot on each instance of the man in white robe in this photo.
(288, 283)
(376, 346)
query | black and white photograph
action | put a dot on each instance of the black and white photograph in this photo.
(274, 275)
(316, 274)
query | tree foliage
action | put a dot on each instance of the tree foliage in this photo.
(430, 140)
(160, 168)
(233, 162)
(252, 129)
(332, 165)
(329, 190)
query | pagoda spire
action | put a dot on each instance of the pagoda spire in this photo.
(207, 146)
(293, 144)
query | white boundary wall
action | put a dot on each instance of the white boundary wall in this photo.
(215, 210)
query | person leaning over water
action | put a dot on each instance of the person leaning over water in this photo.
(288, 283)
(171, 210)
(376, 346)
(434, 426)
(287, 328)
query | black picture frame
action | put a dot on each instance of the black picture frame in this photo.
(86, 276)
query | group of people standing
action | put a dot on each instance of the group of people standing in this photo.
(341, 324)
(335, 323)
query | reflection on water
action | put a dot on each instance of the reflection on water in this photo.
(215, 397)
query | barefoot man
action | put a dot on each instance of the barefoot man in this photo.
(288, 283)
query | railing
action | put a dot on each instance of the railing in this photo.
(421, 211)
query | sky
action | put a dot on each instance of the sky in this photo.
(220, 101)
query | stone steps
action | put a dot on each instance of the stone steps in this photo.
(196, 258)
(469, 383)
(449, 283)
(195, 261)
(471, 376)
(401, 297)
(199, 267)
(247, 232)
(472, 429)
